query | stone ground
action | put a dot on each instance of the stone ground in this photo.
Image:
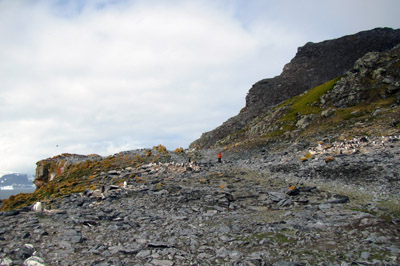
(241, 212)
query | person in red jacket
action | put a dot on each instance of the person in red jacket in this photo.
(220, 157)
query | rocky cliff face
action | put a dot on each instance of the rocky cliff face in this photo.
(364, 101)
(314, 64)
(49, 168)
(374, 76)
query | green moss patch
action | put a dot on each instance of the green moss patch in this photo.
(308, 103)
(81, 176)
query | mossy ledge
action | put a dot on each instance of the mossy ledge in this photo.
(71, 173)
(361, 102)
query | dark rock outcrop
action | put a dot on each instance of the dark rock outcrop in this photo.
(364, 101)
(314, 64)
(374, 72)
(47, 169)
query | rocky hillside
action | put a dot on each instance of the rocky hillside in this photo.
(314, 64)
(72, 173)
(303, 204)
(311, 180)
(49, 168)
(364, 101)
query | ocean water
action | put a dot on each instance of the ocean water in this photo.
(5, 194)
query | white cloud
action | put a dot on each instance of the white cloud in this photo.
(107, 76)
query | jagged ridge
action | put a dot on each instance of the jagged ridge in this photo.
(314, 64)
(365, 101)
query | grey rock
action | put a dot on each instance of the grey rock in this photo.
(388, 80)
(305, 121)
(365, 255)
(324, 206)
(6, 261)
(71, 236)
(287, 263)
(339, 199)
(277, 196)
(11, 213)
(327, 112)
(285, 202)
(224, 229)
(25, 252)
(158, 262)
(143, 253)
(222, 252)
(34, 261)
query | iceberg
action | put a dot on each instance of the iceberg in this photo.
(7, 187)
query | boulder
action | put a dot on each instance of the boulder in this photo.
(34, 261)
(305, 121)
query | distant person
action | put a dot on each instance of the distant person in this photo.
(220, 157)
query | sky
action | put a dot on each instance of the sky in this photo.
(102, 76)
